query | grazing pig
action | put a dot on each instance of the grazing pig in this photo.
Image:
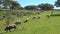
(34, 17)
(27, 19)
(9, 27)
(18, 22)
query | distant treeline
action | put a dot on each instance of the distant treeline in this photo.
(10, 4)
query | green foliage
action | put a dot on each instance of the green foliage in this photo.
(57, 3)
(9, 3)
(46, 6)
(31, 7)
(55, 15)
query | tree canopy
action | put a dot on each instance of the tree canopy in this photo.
(9, 4)
(46, 6)
(57, 3)
(30, 7)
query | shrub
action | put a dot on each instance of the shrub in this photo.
(55, 15)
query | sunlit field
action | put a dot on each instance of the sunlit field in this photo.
(43, 25)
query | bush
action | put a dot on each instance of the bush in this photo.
(55, 15)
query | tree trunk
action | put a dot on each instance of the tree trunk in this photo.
(9, 17)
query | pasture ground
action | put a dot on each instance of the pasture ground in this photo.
(43, 25)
